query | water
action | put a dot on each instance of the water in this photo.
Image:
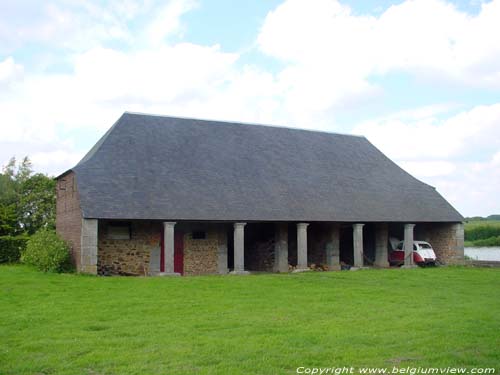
(483, 253)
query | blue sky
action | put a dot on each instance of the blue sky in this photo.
(419, 78)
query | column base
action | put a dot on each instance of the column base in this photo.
(299, 270)
(239, 273)
(223, 272)
(334, 268)
(409, 266)
(169, 274)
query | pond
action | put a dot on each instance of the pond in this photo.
(483, 253)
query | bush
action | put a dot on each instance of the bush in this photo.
(492, 241)
(11, 248)
(47, 251)
(481, 231)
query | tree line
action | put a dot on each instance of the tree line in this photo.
(27, 204)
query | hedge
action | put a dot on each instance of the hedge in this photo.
(484, 231)
(11, 248)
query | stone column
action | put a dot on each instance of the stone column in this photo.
(357, 242)
(381, 241)
(239, 249)
(458, 244)
(168, 246)
(88, 246)
(302, 246)
(281, 248)
(222, 251)
(333, 248)
(408, 245)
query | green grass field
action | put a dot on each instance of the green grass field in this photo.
(480, 233)
(257, 324)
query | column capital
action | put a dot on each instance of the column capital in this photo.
(237, 225)
(169, 223)
(358, 225)
(410, 226)
(302, 225)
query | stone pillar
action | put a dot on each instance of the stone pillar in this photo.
(381, 241)
(88, 246)
(357, 242)
(239, 249)
(222, 251)
(281, 248)
(408, 245)
(333, 248)
(458, 244)
(302, 246)
(168, 246)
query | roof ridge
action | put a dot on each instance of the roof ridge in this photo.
(243, 123)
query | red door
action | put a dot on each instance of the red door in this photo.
(178, 253)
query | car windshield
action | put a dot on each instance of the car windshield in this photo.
(424, 246)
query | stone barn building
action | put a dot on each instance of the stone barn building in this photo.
(162, 195)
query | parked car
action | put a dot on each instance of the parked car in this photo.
(423, 254)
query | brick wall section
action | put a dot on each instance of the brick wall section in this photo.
(128, 257)
(447, 240)
(69, 215)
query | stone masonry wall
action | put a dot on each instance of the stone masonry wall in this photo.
(133, 257)
(69, 215)
(200, 255)
(128, 257)
(447, 240)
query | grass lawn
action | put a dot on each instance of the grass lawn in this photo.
(257, 324)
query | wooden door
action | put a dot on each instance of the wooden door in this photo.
(179, 252)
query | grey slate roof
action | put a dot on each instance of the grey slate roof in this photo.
(154, 167)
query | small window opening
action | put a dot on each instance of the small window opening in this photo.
(119, 231)
(199, 235)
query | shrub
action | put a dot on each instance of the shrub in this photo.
(481, 231)
(47, 251)
(492, 241)
(11, 248)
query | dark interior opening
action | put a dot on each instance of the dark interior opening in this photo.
(259, 246)
(346, 244)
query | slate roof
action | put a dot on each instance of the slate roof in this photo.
(167, 168)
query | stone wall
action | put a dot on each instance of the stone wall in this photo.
(128, 257)
(447, 240)
(201, 255)
(134, 256)
(69, 215)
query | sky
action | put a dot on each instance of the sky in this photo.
(419, 78)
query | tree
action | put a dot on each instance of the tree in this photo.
(37, 202)
(27, 200)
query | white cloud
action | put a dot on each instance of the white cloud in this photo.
(459, 155)
(72, 25)
(427, 138)
(332, 53)
(9, 72)
(167, 20)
